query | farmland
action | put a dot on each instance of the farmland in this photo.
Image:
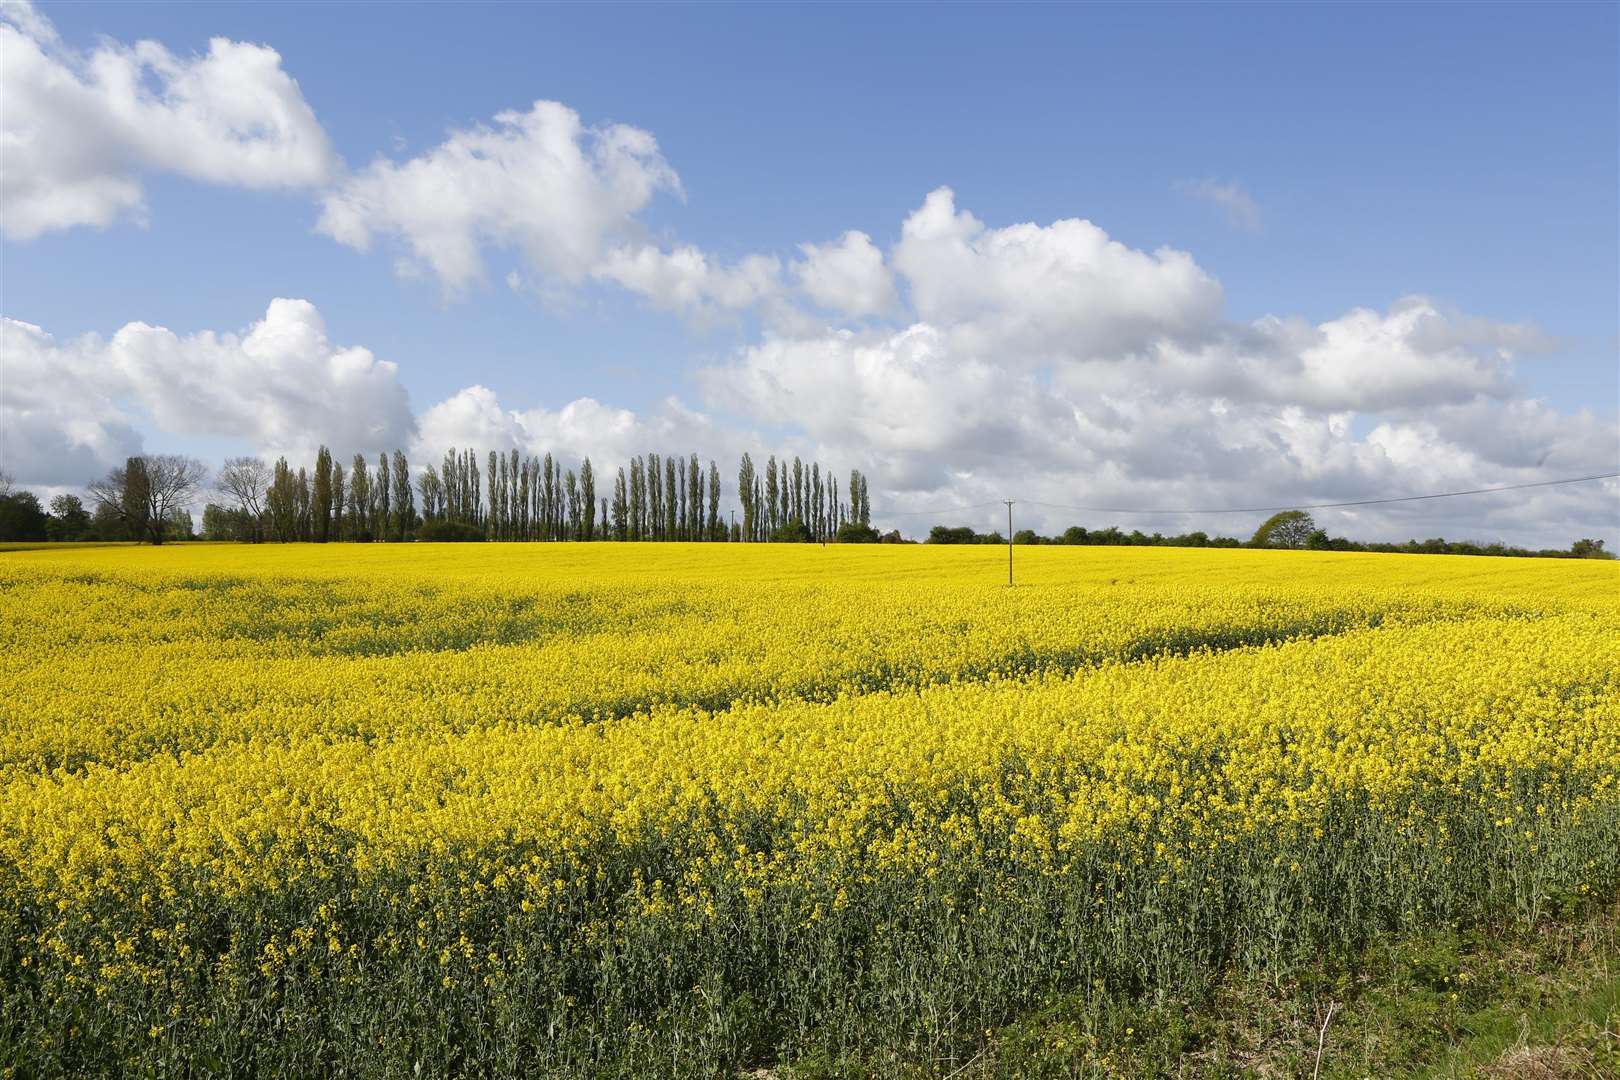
(647, 809)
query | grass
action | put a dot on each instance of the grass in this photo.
(1457, 1002)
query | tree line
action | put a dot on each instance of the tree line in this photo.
(511, 497)
(1294, 529)
(500, 495)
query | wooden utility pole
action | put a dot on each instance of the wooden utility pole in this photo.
(1009, 503)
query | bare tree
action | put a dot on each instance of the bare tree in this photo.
(7, 482)
(146, 490)
(246, 479)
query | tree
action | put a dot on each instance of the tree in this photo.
(944, 534)
(853, 532)
(432, 490)
(792, 531)
(621, 507)
(671, 506)
(179, 525)
(1582, 549)
(1288, 529)
(69, 519)
(383, 518)
(338, 496)
(145, 490)
(745, 493)
(404, 502)
(360, 500)
(21, 516)
(714, 500)
(281, 502)
(772, 489)
(321, 497)
(223, 523)
(587, 496)
(245, 480)
(302, 505)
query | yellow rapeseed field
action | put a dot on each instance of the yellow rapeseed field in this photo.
(658, 810)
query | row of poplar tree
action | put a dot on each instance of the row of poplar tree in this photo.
(509, 496)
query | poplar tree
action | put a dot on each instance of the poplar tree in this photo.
(281, 502)
(637, 497)
(322, 496)
(670, 506)
(404, 501)
(301, 490)
(383, 519)
(587, 494)
(798, 490)
(714, 500)
(655, 498)
(432, 491)
(338, 495)
(772, 495)
(360, 497)
(571, 500)
(514, 495)
(621, 507)
(745, 494)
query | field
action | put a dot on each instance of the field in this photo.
(664, 810)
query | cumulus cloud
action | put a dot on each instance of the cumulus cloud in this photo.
(1237, 204)
(70, 409)
(1052, 364)
(1416, 354)
(688, 281)
(475, 417)
(80, 130)
(561, 194)
(848, 277)
(1027, 292)
(58, 423)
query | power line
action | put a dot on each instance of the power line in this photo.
(1328, 506)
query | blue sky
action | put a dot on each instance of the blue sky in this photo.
(1465, 154)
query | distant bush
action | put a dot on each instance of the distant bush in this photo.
(792, 532)
(853, 532)
(449, 532)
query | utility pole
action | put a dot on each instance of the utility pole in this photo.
(1009, 503)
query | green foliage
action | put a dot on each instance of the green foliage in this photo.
(853, 532)
(792, 531)
(21, 517)
(1288, 529)
(449, 532)
(1587, 548)
(944, 534)
(69, 519)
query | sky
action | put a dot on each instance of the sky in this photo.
(1149, 257)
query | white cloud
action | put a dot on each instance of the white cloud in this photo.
(79, 130)
(58, 423)
(1027, 292)
(72, 408)
(474, 417)
(1054, 365)
(686, 280)
(1416, 354)
(848, 277)
(562, 195)
(1237, 204)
